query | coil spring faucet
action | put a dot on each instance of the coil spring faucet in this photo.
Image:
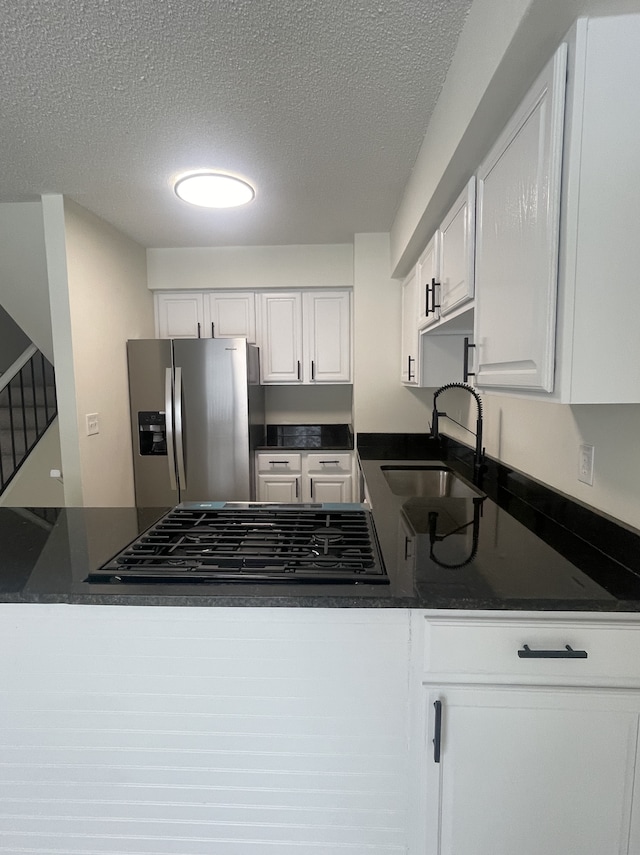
(478, 455)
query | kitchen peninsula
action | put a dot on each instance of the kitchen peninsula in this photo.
(246, 716)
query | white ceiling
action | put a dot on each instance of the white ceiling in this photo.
(322, 104)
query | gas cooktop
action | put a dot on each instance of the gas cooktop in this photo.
(251, 542)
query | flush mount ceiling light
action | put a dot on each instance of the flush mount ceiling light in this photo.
(214, 190)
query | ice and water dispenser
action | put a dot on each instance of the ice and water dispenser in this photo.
(152, 433)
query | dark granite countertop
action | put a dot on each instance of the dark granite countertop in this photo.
(501, 559)
(474, 554)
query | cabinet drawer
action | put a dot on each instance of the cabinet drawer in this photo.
(278, 463)
(532, 651)
(329, 462)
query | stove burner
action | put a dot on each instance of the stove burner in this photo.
(257, 543)
(327, 536)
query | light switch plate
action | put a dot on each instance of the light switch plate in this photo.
(93, 425)
(585, 464)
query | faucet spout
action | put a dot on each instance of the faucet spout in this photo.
(478, 454)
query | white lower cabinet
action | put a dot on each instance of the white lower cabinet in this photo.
(279, 477)
(532, 770)
(305, 476)
(530, 746)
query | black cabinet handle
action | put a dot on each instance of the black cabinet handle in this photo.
(298, 369)
(297, 490)
(213, 330)
(437, 731)
(465, 363)
(198, 330)
(567, 653)
(434, 305)
(410, 359)
(313, 370)
(427, 289)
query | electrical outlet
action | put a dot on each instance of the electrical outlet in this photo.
(93, 426)
(585, 464)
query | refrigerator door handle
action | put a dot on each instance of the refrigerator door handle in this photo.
(168, 417)
(182, 475)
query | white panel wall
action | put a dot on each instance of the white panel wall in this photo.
(156, 731)
(321, 265)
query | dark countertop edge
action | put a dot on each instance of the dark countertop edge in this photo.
(410, 603)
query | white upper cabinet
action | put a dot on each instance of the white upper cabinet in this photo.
(180, 315)
(457, 234)
(427, 285)
(599, 298)
(281, 337)
(305, 337)
(557, 299)
(231, 314)
(517, 241)
(409, 332)
(327, 336)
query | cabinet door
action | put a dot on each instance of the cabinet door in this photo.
(517, 241)
(279, 488)
(180, 315)
(428, 284)
(231, 314)
(281, 348)
(532, 770)
(330, 488)
(410, 339)
(457, 245)
(327, 337)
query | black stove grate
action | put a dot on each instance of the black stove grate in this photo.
(261, 543)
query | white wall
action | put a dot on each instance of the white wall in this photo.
(290, 405)
(502, 47)
(24, 287)
(381, 402)
(99, 299)
(322, 265)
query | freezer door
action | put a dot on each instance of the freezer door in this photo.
(150, 377)
(211, 419)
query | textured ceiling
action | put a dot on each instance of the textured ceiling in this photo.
(322, 104)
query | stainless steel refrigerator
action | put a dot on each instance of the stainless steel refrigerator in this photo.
(197, 415)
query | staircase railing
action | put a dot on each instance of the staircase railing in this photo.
(27, 408)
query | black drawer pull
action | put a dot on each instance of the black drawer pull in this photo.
(437, 731)
(567, 653)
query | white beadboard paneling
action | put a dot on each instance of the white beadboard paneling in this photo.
(156, 731)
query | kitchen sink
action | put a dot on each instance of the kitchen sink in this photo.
(436, 482)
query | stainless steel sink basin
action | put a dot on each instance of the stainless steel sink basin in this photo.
(427, 481)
